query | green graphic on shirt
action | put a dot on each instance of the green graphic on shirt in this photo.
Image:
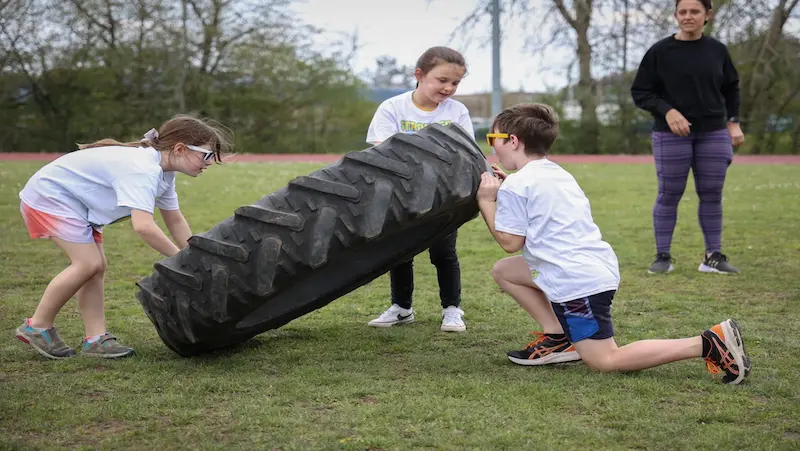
(412, 126)
(534, 274)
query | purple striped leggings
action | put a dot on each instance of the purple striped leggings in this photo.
(708, 155)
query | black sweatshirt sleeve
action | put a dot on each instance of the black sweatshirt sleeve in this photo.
(644, 89)
(730, 86)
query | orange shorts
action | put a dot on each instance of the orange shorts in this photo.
(45, 225)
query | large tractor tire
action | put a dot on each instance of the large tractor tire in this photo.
(315, 240)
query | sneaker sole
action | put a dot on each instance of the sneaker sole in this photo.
(453, 328)
(734, 342)
(669, 270)
(556, 357)
(118, 355)
(25, 339)
(707, 269)
(395, 323)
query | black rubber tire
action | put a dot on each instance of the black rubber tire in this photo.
(318, 238)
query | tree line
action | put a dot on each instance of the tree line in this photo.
(77, 70)
(607, 39)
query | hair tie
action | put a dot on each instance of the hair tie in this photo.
(151, 135)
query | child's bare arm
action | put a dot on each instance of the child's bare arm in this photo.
(177, 226)
(487, 204)
(510, 243)
(145, 226)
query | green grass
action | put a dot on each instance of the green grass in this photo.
(327, 381)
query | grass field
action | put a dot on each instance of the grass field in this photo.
(327, 381)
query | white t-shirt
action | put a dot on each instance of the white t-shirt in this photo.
(400, 114)
(102, 185)
(563, 247)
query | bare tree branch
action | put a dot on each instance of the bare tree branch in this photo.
(565, 14)
(79, 6)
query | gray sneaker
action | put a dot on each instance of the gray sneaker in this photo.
(107, 347)
(662, 265)
(717, 263)
(46, 342)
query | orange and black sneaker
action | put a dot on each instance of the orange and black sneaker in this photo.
(545, 349)
(723, 349)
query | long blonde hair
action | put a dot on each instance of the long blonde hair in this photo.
(184, 129)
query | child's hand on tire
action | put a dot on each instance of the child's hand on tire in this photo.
(487, 191)
(499, 172)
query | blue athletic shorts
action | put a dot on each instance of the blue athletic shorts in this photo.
(588, 317)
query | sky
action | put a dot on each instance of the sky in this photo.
(405, 29)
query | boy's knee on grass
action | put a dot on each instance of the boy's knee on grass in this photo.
(602, 363)
(597, 354)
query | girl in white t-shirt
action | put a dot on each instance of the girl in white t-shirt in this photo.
(439, 71)
(70, 200)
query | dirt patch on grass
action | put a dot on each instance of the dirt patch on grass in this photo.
(94, 394)
(88, 435)
(792, 435)
(100, 431)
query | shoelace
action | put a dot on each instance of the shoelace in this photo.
(711, 366)
(714, 369)
(721, 256)
(663, 256)
(540, 337)
(715, 259)
(452, 316)
(727, 364)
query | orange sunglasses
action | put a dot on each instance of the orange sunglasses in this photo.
(490, 137)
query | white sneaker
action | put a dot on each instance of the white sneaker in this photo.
(452, 321)
(396, 315)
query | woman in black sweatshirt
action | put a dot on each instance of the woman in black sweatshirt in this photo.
(689, 84)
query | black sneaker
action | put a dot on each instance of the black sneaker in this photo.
(717, 263)
(726, 352)
(662, 265)
(544, 350)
